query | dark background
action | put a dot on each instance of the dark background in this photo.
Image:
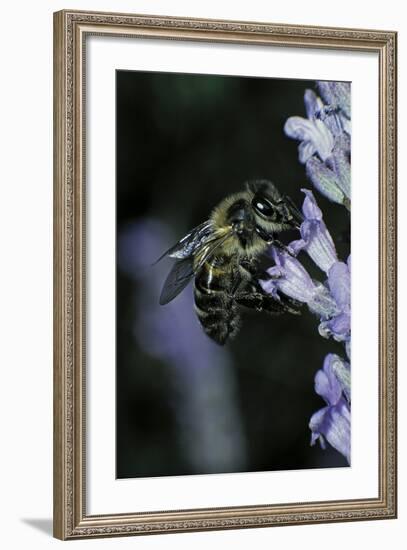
(183, 143)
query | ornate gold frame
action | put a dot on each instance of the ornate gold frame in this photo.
(70, 31)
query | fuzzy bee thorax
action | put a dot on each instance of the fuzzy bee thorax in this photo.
(234, 216)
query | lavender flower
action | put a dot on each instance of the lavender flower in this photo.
(332, 423)
(329, 300)
(325, 146)
(325, 140)
(289, 277)
(316, 239)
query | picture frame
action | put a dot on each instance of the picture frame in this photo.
(72, 519)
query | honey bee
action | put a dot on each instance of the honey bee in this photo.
(223, 256)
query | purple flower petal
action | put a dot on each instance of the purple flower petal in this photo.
(313, 104)
(338, 124)
(293, 281)
(330, 386)
(271, 285)
(289, 277)
(341, 370)
(305, 151)
(339, 284)
(326, 384)
(338, 327)
(296, 246)
(338, 162)
(299, 128)
(332, 423)
(315, 423)
(314, 133)
(325, 180)
(343, 143)
(322, 303)
(310, 209)
(333, 121)
(319, 244)
(337, 431)
(334, 426)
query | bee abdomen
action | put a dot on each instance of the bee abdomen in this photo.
(216, 310)
(220, 326)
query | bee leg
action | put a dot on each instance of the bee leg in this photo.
(243, 275)
(281, 246)
(238, 286)
(265, 302)
(252, 300)
(249, 271)
(271, 240)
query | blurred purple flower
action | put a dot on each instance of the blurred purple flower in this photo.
(325, 139)
(332, 423)
(202, 373)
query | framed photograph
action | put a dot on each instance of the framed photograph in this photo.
(225, 274)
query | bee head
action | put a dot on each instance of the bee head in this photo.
(271, 210)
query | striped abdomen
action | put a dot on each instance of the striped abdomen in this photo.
(214, 306)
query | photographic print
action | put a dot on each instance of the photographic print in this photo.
(233, 201)
(204, 291)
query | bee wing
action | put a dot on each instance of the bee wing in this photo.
(186, 247)
(183, 270)
(208, 249)
(178, 278)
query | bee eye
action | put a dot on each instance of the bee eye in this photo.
(263, 206)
